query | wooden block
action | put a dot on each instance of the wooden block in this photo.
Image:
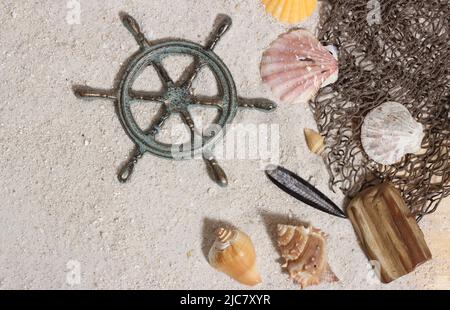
(387, 231)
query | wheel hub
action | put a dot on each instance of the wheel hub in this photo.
(177, 99)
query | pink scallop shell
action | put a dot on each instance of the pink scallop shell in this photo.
(296, 66)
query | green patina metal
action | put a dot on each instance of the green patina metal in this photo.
(176, 97)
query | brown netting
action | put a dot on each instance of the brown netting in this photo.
(403, 55)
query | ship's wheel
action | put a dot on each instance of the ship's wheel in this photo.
(176, 97)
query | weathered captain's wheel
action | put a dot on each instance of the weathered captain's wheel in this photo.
(176, 97)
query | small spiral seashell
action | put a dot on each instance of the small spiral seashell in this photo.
(233, 254)
(389, 132)
(315, 142)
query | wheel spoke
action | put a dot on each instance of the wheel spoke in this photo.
(187, 117)
(127, 170)
(259, 104)
(146, 96)
(218, 175)
(157, 124)
(191, 73)
(162, 72)
(222, 27)
(133, 27)
(88, 92)
(213, 102)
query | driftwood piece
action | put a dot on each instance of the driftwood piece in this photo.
(387, 231)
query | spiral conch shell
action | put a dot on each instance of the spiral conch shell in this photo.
(303, 249)
(233, 254)
(389, 132)
(290, 11)
(296, 66)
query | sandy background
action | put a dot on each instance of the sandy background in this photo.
(62, 205)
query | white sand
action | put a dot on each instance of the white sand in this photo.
(62, 202)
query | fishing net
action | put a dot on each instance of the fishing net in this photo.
(389, 50)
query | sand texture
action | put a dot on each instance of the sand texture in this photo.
(64, 211)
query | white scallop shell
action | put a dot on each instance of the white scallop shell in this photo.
(296, 66)
(389, 132)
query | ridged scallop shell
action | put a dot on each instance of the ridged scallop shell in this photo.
(389, 132)
(304, 251)
(290, 11)
(296, 66)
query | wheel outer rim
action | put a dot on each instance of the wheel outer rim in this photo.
(158, 52)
